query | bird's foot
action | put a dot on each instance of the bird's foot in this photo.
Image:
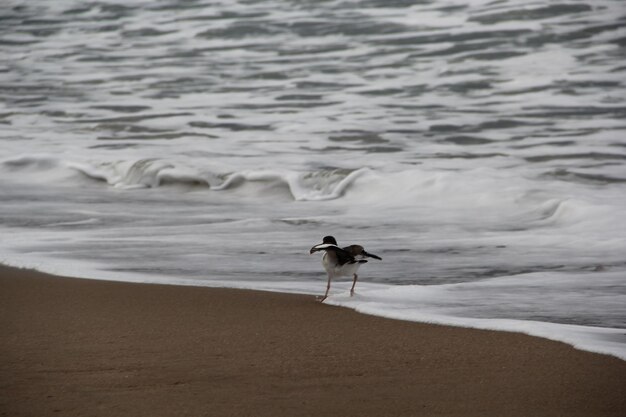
(321, 299)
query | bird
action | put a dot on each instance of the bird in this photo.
(341, 262)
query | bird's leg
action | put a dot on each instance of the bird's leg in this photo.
(353, 285)
(327, 289)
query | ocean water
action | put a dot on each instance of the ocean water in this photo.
(478, 147)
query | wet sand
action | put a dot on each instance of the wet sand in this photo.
(74, 347)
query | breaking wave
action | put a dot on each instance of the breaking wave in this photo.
(493, 198)
(323, 184)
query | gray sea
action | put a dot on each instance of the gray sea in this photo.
(478, 147)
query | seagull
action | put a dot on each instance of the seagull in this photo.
(341, 262)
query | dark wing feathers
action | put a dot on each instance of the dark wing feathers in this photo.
(343, 256)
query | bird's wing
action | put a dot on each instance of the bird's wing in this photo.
(343, 256)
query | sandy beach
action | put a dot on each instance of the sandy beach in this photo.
(74, 347)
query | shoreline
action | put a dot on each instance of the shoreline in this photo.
(545, 330)
(87, 347)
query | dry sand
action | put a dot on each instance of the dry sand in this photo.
(73, 347)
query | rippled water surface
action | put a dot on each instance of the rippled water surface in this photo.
(477, 146)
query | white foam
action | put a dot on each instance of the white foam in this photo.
(462, 305)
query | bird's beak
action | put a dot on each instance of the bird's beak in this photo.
(371, 255)
(315, 249)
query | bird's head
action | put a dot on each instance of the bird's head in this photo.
(328, 240)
